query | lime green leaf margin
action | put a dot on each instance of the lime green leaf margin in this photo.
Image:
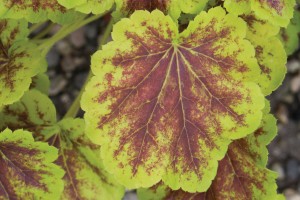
(269, 52)
(277, 12)
(242, 173)
(88, 6)
(37, 11)
(165, 105)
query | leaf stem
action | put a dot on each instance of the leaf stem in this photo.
(74, 108)
(106, 34)
(66, 30)
(34, 27)
(44, 32)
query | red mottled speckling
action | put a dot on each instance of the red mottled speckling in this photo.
(150, 5)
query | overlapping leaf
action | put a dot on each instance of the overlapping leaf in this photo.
(241, 174)
(165, 105)
(290, 35)
(269, 52)
(36, 11)
(88, 6)
(34, 112)
(192, 6)
(19, 61)
(41, 83)
(85, 177)
(278, 12)
(127, 7)
(26, 168)
(171, 7)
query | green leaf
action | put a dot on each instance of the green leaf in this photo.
(238, 7)
(165, 104)
(127, 7)
(88, 6)
(241, 173)
(290, 36)
(85, 177)
(277, 12)
(26, 168)
(34, 112)
(41, 82)
(192, 6)
(171, 7)
(20, 60)
(37, 11)
(269, 52)
(258, 28)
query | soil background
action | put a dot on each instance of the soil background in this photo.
(69, 62)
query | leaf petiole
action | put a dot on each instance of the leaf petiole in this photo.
(74, 108)
(66, 30)
(44, 32)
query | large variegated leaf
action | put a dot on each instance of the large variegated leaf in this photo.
(271, 58)
(37, 11)
(26, 168)
(19, 61)
(278, 12)
(88, 6)
(165, 104)
(290, 36)
(241, 173)
(85, 177)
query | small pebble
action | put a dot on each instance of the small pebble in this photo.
(67, 64)
(91, 31)
(292, 169)
(295, 84)
(294, 147)
(64, 48)
(130, 196)
(53, 58)
(58, 83)
(291, 194)
(77, 38)
(282, 114)
(293, 66)
(80, 62)
(80, 79)
(66, 100)
(279, 169)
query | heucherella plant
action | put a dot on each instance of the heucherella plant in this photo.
(175, 102)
